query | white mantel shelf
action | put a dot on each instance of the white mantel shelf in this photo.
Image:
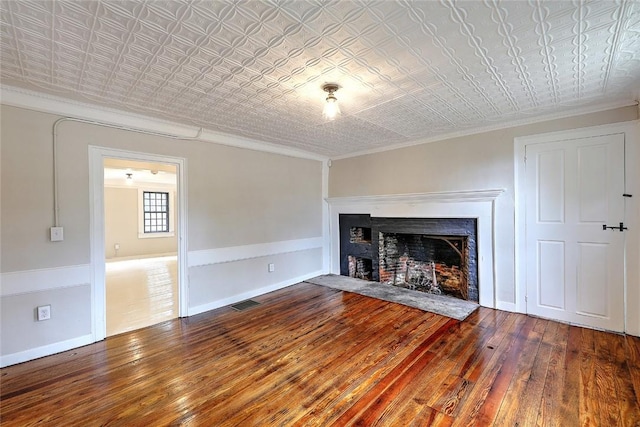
(410, 198)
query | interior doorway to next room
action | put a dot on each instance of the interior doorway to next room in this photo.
(141, 244)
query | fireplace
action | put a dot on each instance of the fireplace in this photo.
(432, 255)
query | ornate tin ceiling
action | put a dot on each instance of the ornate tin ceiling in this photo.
(408, 70)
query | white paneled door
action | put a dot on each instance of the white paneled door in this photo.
(575, 269)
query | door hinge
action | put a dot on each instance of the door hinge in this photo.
(526, 298)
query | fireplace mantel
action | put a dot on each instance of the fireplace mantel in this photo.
(410, 198)
(477, 204)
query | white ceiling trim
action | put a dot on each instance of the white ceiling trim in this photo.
(37, 101)
(499, 126)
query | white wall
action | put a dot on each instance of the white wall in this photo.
(474, 162)
(633, 238)
(265, 206)
(244, 274)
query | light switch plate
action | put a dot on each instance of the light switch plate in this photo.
(57, 234)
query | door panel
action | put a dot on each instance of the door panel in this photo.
(550, 188)
(592, 275)
(592, 166)
(551, 274)
(574, 268)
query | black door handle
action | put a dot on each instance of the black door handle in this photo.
(620, 227)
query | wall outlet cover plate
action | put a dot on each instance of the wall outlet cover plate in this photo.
(57, 234)
(44, 312)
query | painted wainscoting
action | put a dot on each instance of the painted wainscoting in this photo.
(217, 277)
(223, 276)
(67, 290)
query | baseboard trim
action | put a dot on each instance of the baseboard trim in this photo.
(250, 294)
(45, 350)
(239, 253)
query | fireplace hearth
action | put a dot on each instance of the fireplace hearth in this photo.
(432, 255)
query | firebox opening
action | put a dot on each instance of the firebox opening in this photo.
(360, 235)
(436, 255)
(360, 268)
(432, 264)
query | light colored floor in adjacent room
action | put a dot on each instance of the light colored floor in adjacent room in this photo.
(140, 293)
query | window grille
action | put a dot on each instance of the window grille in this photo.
(156, 211)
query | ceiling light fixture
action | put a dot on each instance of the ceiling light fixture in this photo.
(129, 179)
(331, 109)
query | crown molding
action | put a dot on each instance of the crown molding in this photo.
(506, 125)
(52, 104)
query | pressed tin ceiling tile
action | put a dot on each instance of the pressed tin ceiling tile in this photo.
(408, 71)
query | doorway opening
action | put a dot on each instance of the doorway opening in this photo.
(156, 251)
(141, 246)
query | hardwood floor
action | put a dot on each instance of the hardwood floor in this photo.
(310, 355)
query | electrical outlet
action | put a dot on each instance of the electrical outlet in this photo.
(44, 312)
(272, 267)
(116, 246)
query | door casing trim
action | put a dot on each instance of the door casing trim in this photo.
(97, 232)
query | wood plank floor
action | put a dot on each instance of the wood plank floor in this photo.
(310, 355)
